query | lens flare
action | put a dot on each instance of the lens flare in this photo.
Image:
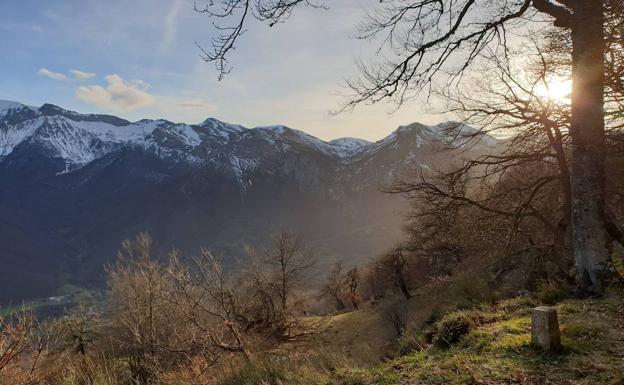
(556, 89)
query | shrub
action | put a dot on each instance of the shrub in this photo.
(269, 371)
(551, 292)
(72, 369)
(411, 342)
(451, 329)
(433, 317)
(396, 313)
(328, 361)
(351, 378)
(429, 334)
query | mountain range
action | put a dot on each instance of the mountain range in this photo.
(73, 186)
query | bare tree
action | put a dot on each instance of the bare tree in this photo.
(352, 281)
(396, 313)
(24, 345)
(208, 299)
(394, 266)
(428, 40)
(268, 11)
(334, 287)
(277, 273)
(78, 330)
(141, 323)
(506, 99)
(513, 183)
(288, 259)
(343, 288)
(14, 338)
(163, 315)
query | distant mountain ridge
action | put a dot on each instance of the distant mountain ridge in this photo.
(73, 134)
(72, 186)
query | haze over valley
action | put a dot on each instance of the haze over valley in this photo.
(82, 183)
(268, 192)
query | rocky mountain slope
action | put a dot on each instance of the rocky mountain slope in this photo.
(73, 186)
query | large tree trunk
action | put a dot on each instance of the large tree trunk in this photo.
(590, 238)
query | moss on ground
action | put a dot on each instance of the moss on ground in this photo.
(496, 350)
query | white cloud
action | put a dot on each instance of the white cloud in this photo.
(171, 23)
(118, 94)
(20, 27)
(51, 75)
(81, 75)
(141, 84)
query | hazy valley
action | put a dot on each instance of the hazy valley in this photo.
(80, 184)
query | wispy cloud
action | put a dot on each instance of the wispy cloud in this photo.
(20, 27)
(75, 74)
(81, 75)
(185, 108)
(266, 86)
(118, 94)
(51, 74)
(171, 23)
(140, 84)
(197, 105)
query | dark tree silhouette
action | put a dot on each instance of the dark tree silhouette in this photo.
(268, 11)
(334, 287)
(430, 39)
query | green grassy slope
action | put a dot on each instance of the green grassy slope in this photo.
(496, 350)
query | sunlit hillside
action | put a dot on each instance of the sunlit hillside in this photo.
(299, 192)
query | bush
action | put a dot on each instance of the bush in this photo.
(351, 378)
(328, 361)
(396, 313)
(451, 329)
(551, 292)
(411, 342)
(269, 371)
(71, 369)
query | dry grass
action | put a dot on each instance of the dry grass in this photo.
(497, 350)
(360, 348)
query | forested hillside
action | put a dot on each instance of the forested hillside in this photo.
(81, 184)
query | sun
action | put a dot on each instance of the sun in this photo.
(555, 88)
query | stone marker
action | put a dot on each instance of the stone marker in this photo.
(545, 328)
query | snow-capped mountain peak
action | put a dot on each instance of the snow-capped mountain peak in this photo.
(79, 139)
(6, 106)
(81, 183)
(349, 146)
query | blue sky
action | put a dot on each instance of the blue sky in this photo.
(137, 59)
